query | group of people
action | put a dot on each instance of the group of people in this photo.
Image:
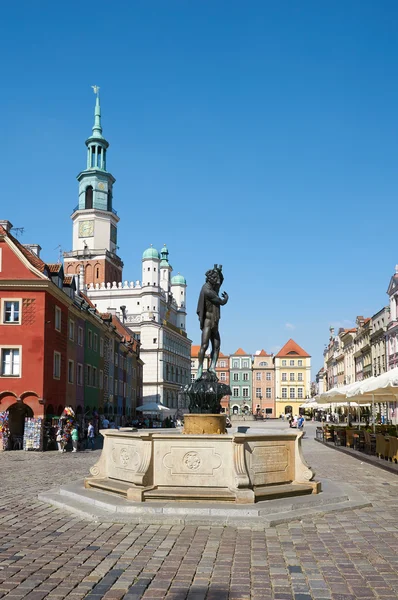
(75, 436)
(296, 421)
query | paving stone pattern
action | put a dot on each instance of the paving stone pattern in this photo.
(47, 553)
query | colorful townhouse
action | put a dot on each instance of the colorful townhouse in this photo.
(52, 341)
(263, 377)
(292, 378)
(240, 367)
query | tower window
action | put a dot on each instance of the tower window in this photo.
(99, 156)
(97, 272)
(92, 156)
(109, 199)
(89, 197)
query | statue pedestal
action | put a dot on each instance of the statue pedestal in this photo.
(241, 468)
(200, 423)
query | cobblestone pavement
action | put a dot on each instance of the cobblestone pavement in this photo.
(47, 553)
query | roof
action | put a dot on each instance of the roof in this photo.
(240, 352)
(263, 353)
(34, 260)
(292, 348)
(54, 268)
(68, 279)
(87, 299)
(195, 351)
(121, 328)
(151, 253)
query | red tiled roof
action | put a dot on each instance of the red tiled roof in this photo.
(240, 352)
(87, 299)
(263, 353)
(221, 355)
(55, 267)
(34, 260)
(68, 279)
(366, 320)
(290, 348)
(122, 329)
(195, 351)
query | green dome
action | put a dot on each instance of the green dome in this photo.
(178, 280)
(151, 253)
(164, 264)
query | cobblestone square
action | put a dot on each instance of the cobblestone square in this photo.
(49, 553)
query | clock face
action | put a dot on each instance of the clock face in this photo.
(101, 186)
(86, 229)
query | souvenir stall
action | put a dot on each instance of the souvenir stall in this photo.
(33, 433)
(4, 431)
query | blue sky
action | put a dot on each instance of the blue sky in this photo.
(262, 136)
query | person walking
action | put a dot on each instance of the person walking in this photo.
(75, 438)
(90, 434)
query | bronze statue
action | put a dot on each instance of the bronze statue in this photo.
(209, 315)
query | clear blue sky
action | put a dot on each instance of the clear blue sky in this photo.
(260, 135)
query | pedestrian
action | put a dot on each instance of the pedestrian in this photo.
(105, 423)
(60, 440)
(90, 434)
(75, 438)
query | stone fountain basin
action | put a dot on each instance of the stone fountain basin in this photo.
(146, 466)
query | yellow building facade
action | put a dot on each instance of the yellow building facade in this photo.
(292, 378)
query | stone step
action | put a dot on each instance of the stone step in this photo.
(192, 494)
(110, 485)
(283, 490)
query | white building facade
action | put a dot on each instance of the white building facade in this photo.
(154, 309)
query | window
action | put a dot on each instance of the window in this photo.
(111, 385)
(90, 338)
(268, 376)
(155, 340)
(299, 392)
(268, 393)
(88, 201)
(58, 315)
(80, 336)
(258, 393)
(116, 360)
(246, 363)
(236, 364)
(192, 377)
(236, 376)
(101, 347)
(283, 363)
(300, 376)
(71, 330)
(95, 342)
(235, 392)
(10, 362)
(94, 382)
(292, 363)
(300, 363)
(258, 376)
(11, 313)
(106, 383)
(284, 376)
(71, 369)
(88, 374)
(116, 386)
(245, 376)
(223, 376)
(245, 392)
(223, 363)
(79, 374)
(284, 392)
(101, 380)
(57, 365)
(291, 376)
(292, 393)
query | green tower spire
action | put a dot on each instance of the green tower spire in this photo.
(97, 129)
